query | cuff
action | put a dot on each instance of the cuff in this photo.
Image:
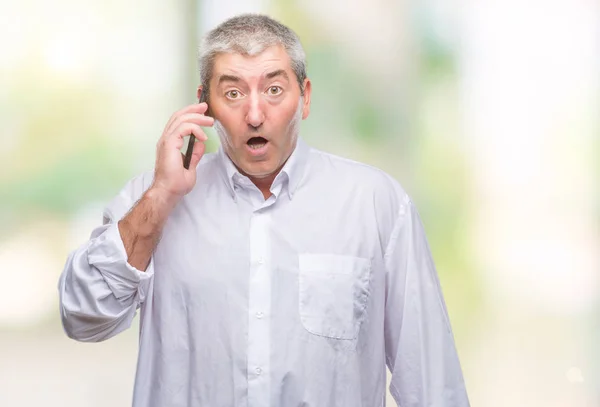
(107, 253)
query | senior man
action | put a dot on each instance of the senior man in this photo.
(268, 273)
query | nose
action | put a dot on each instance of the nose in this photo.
(255, 115)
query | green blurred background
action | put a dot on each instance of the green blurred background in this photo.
(485, 111)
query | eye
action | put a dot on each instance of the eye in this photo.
(233, 94)
(274, 90)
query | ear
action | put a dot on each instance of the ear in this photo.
(199, 92)
(306, 98)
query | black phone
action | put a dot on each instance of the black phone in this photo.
(192, 140)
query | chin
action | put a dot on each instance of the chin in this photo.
(259, 171)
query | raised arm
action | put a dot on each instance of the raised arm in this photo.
(106, 279)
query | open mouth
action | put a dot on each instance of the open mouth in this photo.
(256, 143)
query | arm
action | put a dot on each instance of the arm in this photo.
(104, 282)
(420, 349)
(140, 229)
(99, 289)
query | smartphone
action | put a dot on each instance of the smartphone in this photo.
(192, 140)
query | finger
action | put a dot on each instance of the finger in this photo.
(175, 140)
(199, 134)
(200, 108)
(185, 129)
(197, 153)
(196, 118)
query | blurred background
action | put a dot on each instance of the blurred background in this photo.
(487, 112)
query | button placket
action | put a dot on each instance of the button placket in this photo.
(259, 303)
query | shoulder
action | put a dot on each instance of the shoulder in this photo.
(208, 164)
(129, 194)
(135, 187)
(369, 181)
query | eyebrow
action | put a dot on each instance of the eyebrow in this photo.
(228, 78)
(270, 75)
(279, 72)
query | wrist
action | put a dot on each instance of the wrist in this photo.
(162, 198)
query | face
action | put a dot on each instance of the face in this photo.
(257, 107)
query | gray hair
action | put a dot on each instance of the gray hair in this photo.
(250, 34)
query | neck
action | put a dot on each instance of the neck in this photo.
(264, 183)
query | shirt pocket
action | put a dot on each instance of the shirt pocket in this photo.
(333, 294)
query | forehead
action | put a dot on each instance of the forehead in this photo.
(252, 67)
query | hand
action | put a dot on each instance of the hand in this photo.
(170, 176)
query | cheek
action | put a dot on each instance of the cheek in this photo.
(283, 116)
(234, 125)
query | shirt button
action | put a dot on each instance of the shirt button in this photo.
(259, 315)
(258, 370)
(261, 261)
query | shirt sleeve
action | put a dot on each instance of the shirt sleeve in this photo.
(419, 344)
(99, 290)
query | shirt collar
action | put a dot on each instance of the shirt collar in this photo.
(293, 169)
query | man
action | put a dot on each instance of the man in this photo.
(269, 273)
